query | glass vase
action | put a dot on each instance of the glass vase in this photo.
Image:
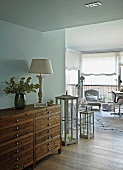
(20, 101)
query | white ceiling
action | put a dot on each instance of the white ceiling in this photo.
(48, 15)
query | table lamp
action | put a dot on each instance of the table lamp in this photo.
(41, 66)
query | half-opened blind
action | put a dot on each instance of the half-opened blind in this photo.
(99, 64)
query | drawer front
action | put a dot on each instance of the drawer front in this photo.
(47, 148)
(47, 135)
(14, 121)
(16, 131)
(47, 121)
(48, 111)
(16, 152)
(16, 143)
(18, 163)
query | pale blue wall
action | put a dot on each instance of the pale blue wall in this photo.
(18, 45)
(53, 47)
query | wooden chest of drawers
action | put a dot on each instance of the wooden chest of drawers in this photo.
(47, 131)
(16, 139)
(28, 135)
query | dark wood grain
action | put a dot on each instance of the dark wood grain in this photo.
(47, 132)
(28, 135)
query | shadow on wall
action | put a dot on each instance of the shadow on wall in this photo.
(12, 68)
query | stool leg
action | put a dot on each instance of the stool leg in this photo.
(119, 110)
(114, 108)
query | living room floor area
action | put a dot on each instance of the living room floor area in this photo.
(103, 152)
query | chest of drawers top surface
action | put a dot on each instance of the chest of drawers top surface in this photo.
(30, 109)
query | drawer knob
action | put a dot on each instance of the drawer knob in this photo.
(17, 135)
(16, 167)
(16, 159)
(16, 128)
(16, 120)
(49, 131)
(17, 151)
(16, 143)
(48, 111)
(48, 118)
(48, 143)
(49, 124)
(49, 149)
(49, 137)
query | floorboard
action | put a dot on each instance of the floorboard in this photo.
(103, 152)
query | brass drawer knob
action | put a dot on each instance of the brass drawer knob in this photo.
(16, 120)
(16, 128)
(16, 143)
(16, 151)
(17, 135)
(16, 167)
(16, 159)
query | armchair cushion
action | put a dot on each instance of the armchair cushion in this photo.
(91, 98)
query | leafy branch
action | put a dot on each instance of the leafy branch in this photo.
(23, 86)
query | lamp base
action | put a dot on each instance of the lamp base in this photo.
(40, 104)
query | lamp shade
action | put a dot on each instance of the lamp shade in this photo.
(41, 66)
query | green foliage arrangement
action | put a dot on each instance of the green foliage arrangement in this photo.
(23, 86)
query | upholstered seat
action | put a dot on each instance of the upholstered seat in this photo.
(92, 98)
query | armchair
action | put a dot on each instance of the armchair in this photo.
(117, 101)
(92, 98)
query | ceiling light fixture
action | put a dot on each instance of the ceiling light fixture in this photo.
(93, 4)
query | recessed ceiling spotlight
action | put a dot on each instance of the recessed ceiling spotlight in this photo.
(93, 4)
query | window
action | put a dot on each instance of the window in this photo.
(97, 68)
(99, 64)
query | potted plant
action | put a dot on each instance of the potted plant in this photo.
(20, 88)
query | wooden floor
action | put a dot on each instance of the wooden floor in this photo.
(103, 152)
